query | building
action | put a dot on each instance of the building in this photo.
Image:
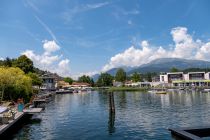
(62, 84)
(170, 77)
(117, 84)
(80, 85)
(189, 79)
(49, 82)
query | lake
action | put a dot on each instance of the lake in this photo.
(86, 116)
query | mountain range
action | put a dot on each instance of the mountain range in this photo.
(161, 65)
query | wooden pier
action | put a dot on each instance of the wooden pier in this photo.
(195, 133)
(4, 127)
(18, 116)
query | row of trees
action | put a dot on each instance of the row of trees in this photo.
(83, 79)
(106, 79)
(22, 62)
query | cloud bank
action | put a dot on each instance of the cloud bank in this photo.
(184, 47)
(48, 60)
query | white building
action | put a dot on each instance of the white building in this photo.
(48, 82)
(138, 84)
(188, 79)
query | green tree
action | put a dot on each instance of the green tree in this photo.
(148, 76)
(14, 83)
(7, 62)
(136, 77)
(120, 75)
(104, 79)
(173, 69)
(24, 63)
(68, 80)
(36, 80)
(86, 79)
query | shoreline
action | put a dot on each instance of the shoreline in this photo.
(111, 89)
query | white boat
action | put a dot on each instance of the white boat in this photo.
(207, 90)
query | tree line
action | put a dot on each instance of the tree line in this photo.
(106, 79)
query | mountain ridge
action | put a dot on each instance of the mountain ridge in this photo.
(161, 65)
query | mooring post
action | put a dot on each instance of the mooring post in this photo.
(111, 102)
(111, 121)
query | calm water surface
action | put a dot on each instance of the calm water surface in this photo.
(138, 116)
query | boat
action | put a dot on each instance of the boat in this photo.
(64, 91)
(207, 90)
(161, 91)
(181, 88)
(151, 91)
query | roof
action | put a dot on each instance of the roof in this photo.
(80, 84)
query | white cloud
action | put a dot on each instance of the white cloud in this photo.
(69, 14)
(49, 61)
(63, 67)
(50, 46)
(1, 58)
(204, 52)
(184, 47)
(96, 5)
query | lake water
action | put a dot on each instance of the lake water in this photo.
(86, 116)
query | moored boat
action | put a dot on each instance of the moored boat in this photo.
(64, 91)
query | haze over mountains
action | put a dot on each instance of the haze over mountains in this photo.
(162, 65)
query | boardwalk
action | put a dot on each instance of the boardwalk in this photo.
(4, 127)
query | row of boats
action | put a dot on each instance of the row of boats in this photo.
(73, 90)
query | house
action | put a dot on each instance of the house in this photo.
(49, 82)
(117, 84)
(62, 84)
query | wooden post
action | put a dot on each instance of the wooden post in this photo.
(111, 102)
(111, 121)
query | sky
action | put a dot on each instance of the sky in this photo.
(76, 37)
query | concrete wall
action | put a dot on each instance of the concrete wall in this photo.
(164, 78)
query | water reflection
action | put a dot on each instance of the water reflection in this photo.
(111, 121)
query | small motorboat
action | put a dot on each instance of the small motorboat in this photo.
(64, 91)
(206, 90)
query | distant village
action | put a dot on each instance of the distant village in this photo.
(170, 79)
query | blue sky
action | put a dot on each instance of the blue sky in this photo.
(93, 35)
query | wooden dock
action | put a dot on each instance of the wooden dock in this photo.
(193, 133)
(18, 116)
(4, 127)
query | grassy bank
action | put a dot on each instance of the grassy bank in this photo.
(127, 89)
